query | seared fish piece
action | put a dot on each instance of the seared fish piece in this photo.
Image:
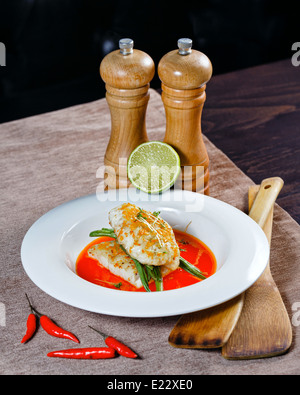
(110, 255)
(145, 236)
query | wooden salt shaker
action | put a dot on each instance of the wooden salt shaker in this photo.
(127, 74)
(184, 73)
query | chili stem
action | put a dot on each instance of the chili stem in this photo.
(101, 333)
(33, 310)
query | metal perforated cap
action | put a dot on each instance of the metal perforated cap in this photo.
(126, 46)
(185, 46)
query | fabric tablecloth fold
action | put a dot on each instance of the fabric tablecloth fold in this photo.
(55, 157)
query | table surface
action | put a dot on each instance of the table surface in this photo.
(52, 158)
(253, 116)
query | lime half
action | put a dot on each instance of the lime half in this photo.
(153, 167)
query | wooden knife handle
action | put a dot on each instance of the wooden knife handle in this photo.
(268, 192)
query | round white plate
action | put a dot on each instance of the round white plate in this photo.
(53, 243)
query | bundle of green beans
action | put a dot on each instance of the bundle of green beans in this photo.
(148, 272)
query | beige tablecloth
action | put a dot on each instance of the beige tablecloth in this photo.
(52, 158)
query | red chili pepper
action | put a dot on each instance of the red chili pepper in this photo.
(117, 345)
(31, 328)
(52, 329)
(31, 325)
(84, 353)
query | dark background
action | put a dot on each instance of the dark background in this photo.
(54, 47)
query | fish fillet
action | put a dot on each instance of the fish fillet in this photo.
(112, 257)
(145, 236)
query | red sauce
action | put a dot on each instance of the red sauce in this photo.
(192, 249)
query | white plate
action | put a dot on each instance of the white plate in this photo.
(51, 247)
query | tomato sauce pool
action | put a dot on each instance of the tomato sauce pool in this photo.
(191, 249)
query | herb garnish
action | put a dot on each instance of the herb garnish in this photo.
(140, 214)
(117, 285)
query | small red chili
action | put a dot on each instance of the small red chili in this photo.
(117, 345)
(31, 328)
(84, 353)
(31, 325)
(51, 328)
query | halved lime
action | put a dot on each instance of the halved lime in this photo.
(153, 167)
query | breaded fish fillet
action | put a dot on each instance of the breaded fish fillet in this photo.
(145, 236)
(111, 256)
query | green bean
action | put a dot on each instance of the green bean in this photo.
(147, 271)
(142, 273)
(103, 232)
(188, 267)
(155, 273)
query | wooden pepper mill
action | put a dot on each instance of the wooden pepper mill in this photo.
(184, 73)
(127, 74)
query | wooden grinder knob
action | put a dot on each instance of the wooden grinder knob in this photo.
(127, 74)
(184, 73)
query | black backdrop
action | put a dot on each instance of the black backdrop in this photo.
(54, 47)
